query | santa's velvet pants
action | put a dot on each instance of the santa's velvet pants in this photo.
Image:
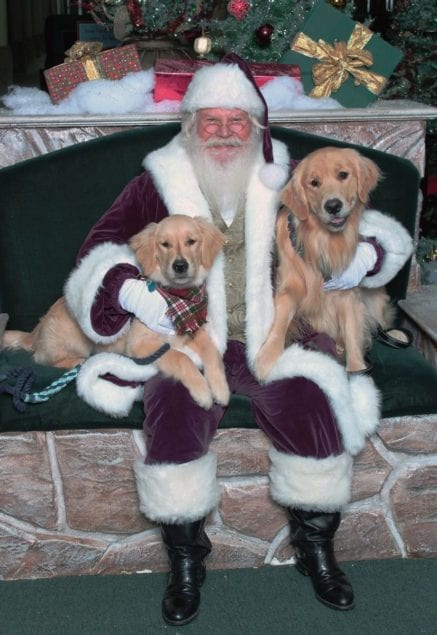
(293, 413)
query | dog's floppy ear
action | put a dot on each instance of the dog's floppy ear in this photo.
(293, 196)
(144, 246)
(212, 241)
(368, 175)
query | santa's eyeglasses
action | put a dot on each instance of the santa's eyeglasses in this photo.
(235, 124)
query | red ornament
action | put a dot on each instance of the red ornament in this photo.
(135, 13)
(238, 8)
(264, 34)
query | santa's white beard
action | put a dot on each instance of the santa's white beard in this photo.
(223, 183)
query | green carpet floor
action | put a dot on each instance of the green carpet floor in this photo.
(393, 597)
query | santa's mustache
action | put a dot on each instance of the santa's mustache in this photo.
(230, 141)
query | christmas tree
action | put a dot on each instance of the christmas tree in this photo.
(414, 29)
(258, 30)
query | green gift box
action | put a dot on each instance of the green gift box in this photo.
(340, 58)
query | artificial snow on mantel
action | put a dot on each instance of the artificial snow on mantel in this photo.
(134, 94)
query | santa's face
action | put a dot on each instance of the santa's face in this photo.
(224, 132)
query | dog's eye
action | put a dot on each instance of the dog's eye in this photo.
(165, 244)
(191, 241)
(343, 175)
(314, 182)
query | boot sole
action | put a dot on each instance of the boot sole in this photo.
(187, 620)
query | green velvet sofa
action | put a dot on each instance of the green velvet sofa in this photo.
(47, 205)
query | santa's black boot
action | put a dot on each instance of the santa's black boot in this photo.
(312, 534)
(187, 545)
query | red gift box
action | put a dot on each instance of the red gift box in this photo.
(110, 64)
(172, 76)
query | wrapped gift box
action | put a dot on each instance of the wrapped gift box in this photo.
(110, 64)
(172, 76)
(338, 30)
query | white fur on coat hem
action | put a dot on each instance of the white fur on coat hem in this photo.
(106, 396)
(355, 402)
(309, 483)
(178, 492)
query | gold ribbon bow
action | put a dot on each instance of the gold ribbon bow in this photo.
(86, 53)
(340, 60)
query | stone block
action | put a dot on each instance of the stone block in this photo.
(46, 555)
(27, 490)
(249, 510)
(413, 435)
(230, 548)
(241, 452)
(364, 535)
(98, 480)
(414, 503)
(369, 473)
(144, 552)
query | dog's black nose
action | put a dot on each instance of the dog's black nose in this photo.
(180, 266)
(333, 206)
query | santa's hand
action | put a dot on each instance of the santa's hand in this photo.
(363, 261)
(146, 304)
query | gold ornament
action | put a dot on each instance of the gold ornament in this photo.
(338, 4)
(340, 60)
(202, 45)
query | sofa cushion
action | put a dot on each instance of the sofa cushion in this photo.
(407, 382)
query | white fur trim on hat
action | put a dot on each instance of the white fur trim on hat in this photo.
(222, 86)
(309, 483)
(178, 492)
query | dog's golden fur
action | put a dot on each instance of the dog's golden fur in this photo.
(58, 340)
(326, 195)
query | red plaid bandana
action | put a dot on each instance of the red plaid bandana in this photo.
(187, 308)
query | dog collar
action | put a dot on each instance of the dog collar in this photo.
(187, 308)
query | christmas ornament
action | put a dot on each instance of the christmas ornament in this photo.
(338, 4)
(135, 14)
(202, 45)
(263, 35)
(238, 8)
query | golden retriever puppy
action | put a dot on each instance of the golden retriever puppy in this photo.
(326, 196)
(175, 253)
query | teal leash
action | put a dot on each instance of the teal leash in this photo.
(24, 378)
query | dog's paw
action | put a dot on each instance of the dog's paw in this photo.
(202, 395)
(221, 393)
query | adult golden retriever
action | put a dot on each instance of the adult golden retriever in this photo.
(326, 195)
(177, 252)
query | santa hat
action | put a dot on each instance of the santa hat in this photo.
(230, 84)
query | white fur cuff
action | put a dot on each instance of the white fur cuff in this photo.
(308, 483)
(395, 240)
(84, 282)
(178, 493)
